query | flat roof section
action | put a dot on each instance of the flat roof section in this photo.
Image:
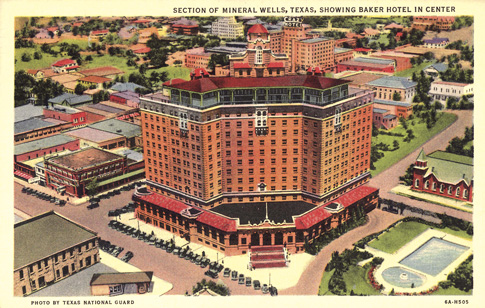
(43, 143)
(84, 158)
(44, 235)
(30, 124)
(255, 213)
(118, 127)
(92, 134)
(115, 278)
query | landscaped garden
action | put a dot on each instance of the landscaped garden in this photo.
(398, 236)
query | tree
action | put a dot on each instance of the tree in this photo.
(396, 96)
(131, 62)
(26, 57)
(37, 55)
(92, 187)
(89, 58)
(79, 89)
(395, 144)
(23, 85)
(403, 122)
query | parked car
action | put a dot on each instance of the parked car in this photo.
(24, 189)
(234, 275)
(248, 281)
(164, 245)
(265, 289)
(273, 291)
(241, 279)
(212, 274)
(198, 260)
(227, 272)
(189, 255)
(93, 205)
(219, 267)
(127, 257)
(204, 264)
(194, 257)
(256, 285)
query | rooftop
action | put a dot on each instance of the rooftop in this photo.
(91, 134)
(364, 64)
(130, 154)
(95, 79)
(103, 107)
(380, 110)
(440, 66)
(63, 109)
(394, 103)
(361, 78)
(374, 60)
(340, 50)
(30, 124)
(119, 278)
(209, 84)
(393, 82)
(390, 116)
(64, 62)
(65, 78)
(84, 158)
(315, 40)
(127, 86)
(101, 71)
(43, 143)
(28, 111)
(436, 40)
(450, 83)
(44, 235)
(255, 213)
(71, 99)
(118, 127)
(200, 51)
(449, 167)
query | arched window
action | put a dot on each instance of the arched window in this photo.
(449, 190)
(465, 193)
(442, 188)
(434, 186)
(426, 184)
(457, 192)
(416, 183)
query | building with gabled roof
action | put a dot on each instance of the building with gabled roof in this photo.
(64, 66)
(112, 284)
(444, 174)
(48, 248)
(71, 100)
(436, 42)
(434, 70)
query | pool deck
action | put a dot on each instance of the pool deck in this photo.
(392, 260)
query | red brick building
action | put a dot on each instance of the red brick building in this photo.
(217, 146)
(444, 174)
(353, 65)
(67, 114)
(197, 58)
(425, 23)
(185, 26)
(72, 172)
(258, 60)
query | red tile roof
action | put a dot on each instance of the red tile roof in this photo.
(142, 50)
(174, 81)
(72, 67)
(101, 71)
(199, 72)
(258, 28)
(361, 49)
(95, 79)
(33, 72)
(241, 65)
(209, 218)
(276, 65)
(64, 62)
(95, 32)
(320, 213)
(208, 84)
(141, 21)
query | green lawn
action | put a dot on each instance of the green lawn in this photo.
(323, 289)
(83, 44)
(422, 135)
(355, 279)
(404, 232)
(417, 69)
(46, 61)
(398, 236)
(120, 62)
(451, 291)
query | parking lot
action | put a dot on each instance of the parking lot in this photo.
(180, 272)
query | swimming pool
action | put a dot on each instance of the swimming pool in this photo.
(433, 256)
(401, 277)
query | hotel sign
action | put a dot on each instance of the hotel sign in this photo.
(292, 21)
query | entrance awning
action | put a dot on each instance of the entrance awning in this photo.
(22, 175)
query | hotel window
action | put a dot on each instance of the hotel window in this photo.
(259, 55)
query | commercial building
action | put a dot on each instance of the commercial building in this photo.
(444, 174)
(399, 109)
(128, 98)
(106, 110)
(95, 82)
(185, 26)
(71, 100)
(72, 115)
(432, 23)
(50, 247)
(71, 173)
(37, 128)
(387, 86)
(27, 111)
(299, 143)
(258, 60)
(402, 61)
(227, 28)
(442, 90)
(112, 284)
(343, 54)
(434, 70)
(313, 52)
(197, 58)
(368, 65)
(131, 132)
(88, 136)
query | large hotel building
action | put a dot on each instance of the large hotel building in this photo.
(235, 163)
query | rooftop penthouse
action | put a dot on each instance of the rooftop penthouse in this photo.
(207, 92)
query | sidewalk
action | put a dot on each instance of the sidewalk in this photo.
(282, 278)
(406, 191)
(160, 286)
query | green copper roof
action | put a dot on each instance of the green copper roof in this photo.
(450, 168)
